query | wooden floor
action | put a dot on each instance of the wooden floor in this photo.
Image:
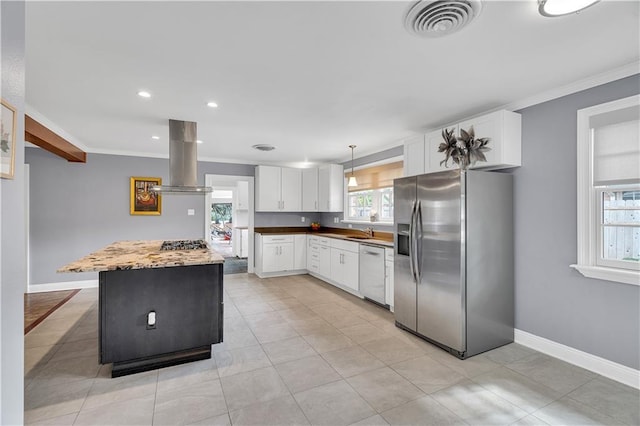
(38, 306)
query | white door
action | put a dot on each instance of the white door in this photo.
(291, 184)
(268, 189)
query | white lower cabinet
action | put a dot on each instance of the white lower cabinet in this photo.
(300, 251)
(344, 263)
(319, 256)
(388, 277)
(277, 255)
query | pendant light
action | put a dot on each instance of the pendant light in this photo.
(352, 179)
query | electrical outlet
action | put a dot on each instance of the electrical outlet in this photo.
(336, 219)
(303, 219)
(350, 225)
(191, 212)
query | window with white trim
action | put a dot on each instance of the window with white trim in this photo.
(609, 191)
(373, 196)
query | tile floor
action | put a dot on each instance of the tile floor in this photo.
(298, 351)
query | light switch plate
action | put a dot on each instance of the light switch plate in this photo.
(191, 212)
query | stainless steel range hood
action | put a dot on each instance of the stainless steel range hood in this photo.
(183, 160)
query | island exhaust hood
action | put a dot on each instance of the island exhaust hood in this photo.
(183, 160)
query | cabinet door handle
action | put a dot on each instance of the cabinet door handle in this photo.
(282, 204)
(315, 205)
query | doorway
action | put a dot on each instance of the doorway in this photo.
(229, 215)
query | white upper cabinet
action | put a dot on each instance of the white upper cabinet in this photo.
(242, 195)
(291, 193)
(331, 188)
(310, 190)
(414, 156)
(504, 128)
(278, 189)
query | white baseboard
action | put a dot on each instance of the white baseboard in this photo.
(64, 285)
(604, 367)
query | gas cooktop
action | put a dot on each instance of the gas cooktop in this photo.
(184, 245)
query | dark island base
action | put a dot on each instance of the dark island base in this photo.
(187, 302)
(160, 361)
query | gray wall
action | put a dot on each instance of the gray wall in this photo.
(79, 208)
(553, 300)
(13, 266)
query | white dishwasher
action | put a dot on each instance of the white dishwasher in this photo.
(372, 273)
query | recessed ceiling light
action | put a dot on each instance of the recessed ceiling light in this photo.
(198, 141)
(552, 8)
(144, 94)
(263, 147)
(155, 137)
(212, 105)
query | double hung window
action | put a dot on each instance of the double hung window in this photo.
(609, 191)
(372, 199)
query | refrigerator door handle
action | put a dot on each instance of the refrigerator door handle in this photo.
(419, 242)
(412, 255)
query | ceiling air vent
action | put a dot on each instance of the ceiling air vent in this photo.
(429, 18)
(263, 147)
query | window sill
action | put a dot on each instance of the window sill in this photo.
(609, 274)
(367, 222)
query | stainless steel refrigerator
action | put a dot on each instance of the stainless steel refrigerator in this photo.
(454, 272)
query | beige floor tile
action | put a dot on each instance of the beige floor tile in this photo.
(235, 340)
(297, 313)
(476, 405)
(567, 411)
(517, 389)
(376, 420)
(285, 303)
(470, 367)
(427, 374)
(105, 391)
(221, 420)
(66, 420)
(611, 398)
(326, 342)
(241, 360)
(67, 370)
(384, 389)
(35, 358)
(306, 373)
(552, 372)
(280, 411)
(352, 360)
(77, 349)
(182, 375)
(242, 390)
(529, 420)
(264, 319)
(45, 402)
(274, 332)
(189, 404)
(137, 411)
(509, 353)
(254, 308)
(333, 404)
(362, 333)
(422, 411)
(392, 350)
(315, 325)
(288, 350)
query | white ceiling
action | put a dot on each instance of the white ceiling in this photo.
(310, 78)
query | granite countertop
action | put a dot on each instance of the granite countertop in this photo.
(140, 255)
(384, 239)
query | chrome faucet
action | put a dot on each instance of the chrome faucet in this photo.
(368, 231)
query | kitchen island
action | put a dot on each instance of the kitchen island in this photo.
(160, 303)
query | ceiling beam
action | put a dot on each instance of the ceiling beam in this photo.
(41, 136)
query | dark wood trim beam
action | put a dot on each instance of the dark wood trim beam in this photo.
(41, 136)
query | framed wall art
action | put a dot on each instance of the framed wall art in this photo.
(8, 122)
(143, 200)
